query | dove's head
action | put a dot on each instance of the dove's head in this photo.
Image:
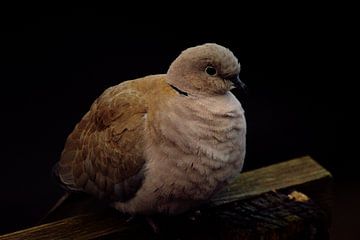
(208, 69)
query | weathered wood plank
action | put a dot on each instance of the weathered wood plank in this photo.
(77, 227)
(242, 209)
(275, 177)
(268, 216)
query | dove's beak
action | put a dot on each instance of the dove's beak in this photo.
(237, 82)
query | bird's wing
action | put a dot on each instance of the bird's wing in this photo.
(104, 154)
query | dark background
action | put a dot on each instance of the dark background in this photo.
(54, 63)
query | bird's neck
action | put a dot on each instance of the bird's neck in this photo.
(183, 87)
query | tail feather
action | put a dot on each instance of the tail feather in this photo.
(55, 207)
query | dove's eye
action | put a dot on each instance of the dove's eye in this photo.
(210, 70)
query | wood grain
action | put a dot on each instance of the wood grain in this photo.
(291, 173)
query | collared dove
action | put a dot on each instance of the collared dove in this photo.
(162, 143)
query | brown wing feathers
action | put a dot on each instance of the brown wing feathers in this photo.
(103, 155)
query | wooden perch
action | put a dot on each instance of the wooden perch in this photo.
(255, 206)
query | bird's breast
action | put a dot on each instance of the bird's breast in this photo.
(211, 127)
(201, 139)
(194, 146)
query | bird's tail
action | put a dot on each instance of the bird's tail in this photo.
(55, 207)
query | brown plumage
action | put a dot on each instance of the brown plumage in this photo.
(162, 143)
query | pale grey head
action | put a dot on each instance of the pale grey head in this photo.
(208, 69)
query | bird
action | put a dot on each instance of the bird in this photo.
(161, 144)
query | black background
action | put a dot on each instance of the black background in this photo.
(55, 63)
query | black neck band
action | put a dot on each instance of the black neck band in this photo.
(179, 91)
